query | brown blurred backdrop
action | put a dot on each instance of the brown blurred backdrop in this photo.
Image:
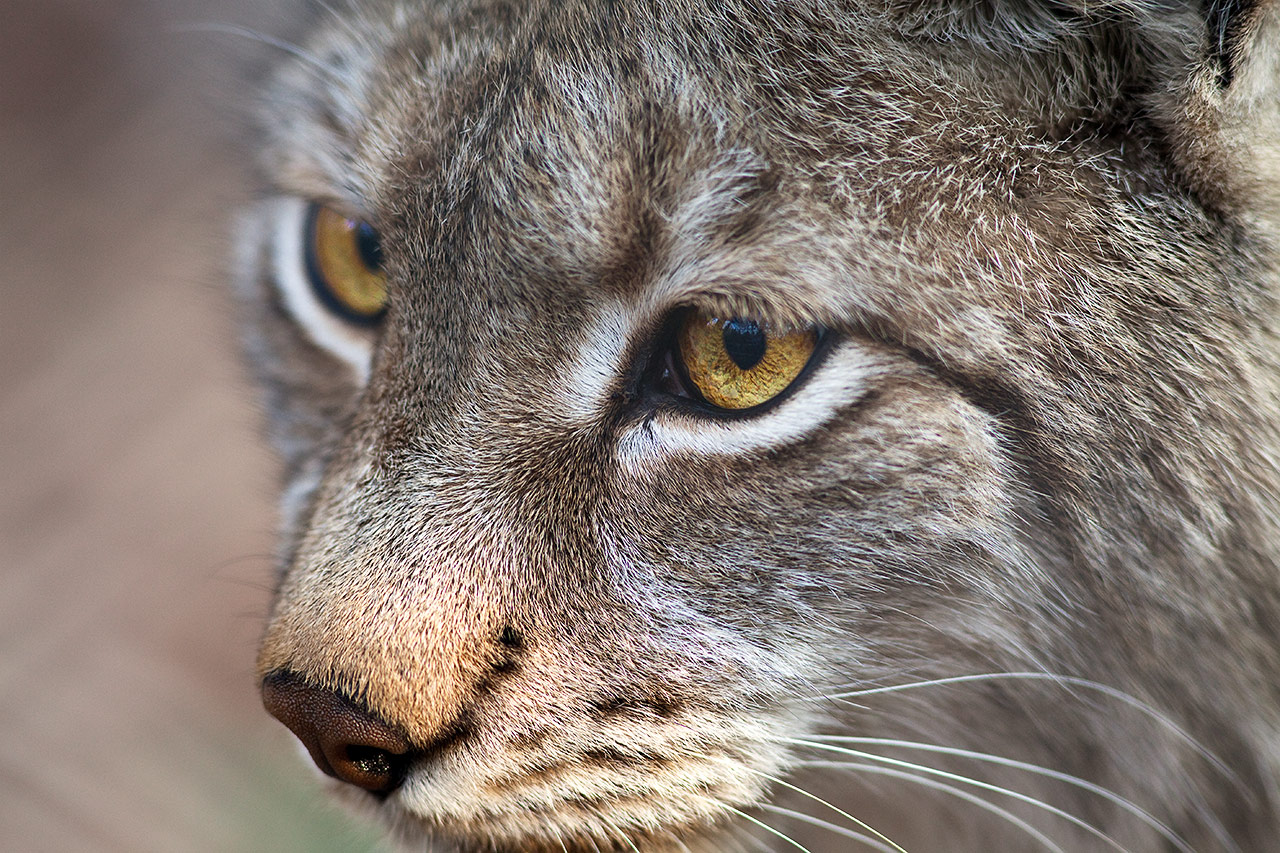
(135, 499)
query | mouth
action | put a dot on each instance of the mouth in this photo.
(516, 783)
(568, 807)
(571, 828)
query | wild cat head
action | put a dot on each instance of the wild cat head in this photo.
(655, 379)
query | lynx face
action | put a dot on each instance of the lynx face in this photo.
(747, 425)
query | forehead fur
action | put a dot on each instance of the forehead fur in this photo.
(850, 151)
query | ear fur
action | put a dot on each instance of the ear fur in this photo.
(1222, 119)
(1228, 23)
(1205, 74)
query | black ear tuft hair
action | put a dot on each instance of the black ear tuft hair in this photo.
(1226, 19)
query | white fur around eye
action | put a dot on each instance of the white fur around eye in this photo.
(843, 377)
(351, 345)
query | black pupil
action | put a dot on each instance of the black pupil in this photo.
(368, 245)
(745, 342)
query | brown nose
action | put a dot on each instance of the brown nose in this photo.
(344, 740)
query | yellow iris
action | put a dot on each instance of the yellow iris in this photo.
(740, 363)
(344, 260)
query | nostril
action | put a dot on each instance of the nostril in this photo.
(371, 760)
(372, 768)
(344, 740)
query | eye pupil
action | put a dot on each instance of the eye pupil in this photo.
(739, 364)
(368, 245)
(745, 342)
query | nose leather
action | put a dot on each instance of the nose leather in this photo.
(345, 741)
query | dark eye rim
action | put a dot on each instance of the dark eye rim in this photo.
(666, 383)
(318, 281)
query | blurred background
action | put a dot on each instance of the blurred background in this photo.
(136, 502)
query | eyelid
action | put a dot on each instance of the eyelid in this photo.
(722, 304)
(343, 207)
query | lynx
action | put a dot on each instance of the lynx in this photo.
(759, 425)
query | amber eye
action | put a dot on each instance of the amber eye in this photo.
(344, 262)
(740, 363)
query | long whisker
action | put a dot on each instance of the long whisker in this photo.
(965, 780)
(744, 841)
(831, 827)
(1061, 680)
(550, 825)
(680, 841)
(346, 22)
(771, 830)
(953, 790)
(873, 831)
(782, 783)
(618, 832)
(1127, 805)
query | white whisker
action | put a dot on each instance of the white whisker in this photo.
(965, 780)
(618, 832)
(872, 830)
(1127, 805)
(946, 788)
(771, 830)
(782, 783)
(680, 841)
(1061, 680)
(744, 840)
(550, 824)
(861, 837)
